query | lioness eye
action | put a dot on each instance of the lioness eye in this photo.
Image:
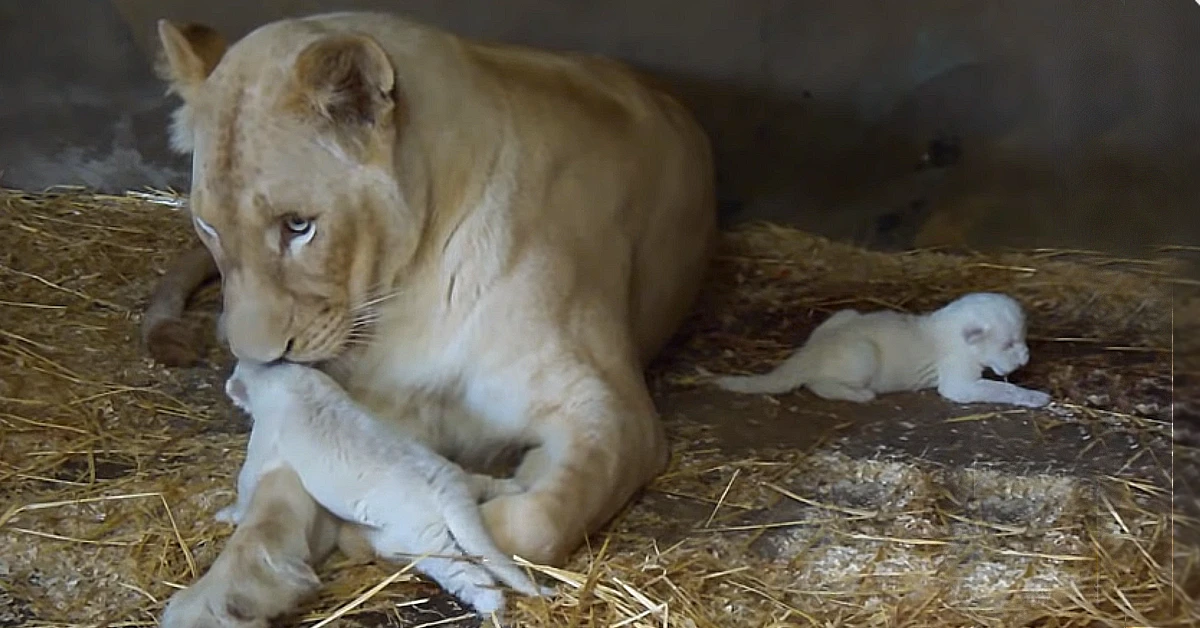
(297, 226)
(297, 231)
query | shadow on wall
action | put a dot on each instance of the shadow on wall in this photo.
(967, 160)
(78, 102)
(927, 123)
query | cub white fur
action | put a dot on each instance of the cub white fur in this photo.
(854, 356)
(412, 501)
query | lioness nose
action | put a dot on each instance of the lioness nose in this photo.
(257, 319)
(258, 353)
(253, 341)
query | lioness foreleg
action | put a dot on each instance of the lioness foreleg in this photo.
(265, 568)
(600, 443)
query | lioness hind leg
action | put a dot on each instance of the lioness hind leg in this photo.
(264, 570)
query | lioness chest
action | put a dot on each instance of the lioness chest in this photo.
(450, 375)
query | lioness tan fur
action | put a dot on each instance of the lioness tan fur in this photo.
(509, 233)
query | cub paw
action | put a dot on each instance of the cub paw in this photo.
(229, 514)
(1033, 399)
(507, 486)
(487, 602)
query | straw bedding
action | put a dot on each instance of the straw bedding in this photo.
(112, 467)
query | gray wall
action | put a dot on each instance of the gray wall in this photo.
(1069, 123)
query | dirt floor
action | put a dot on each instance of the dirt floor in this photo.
(776, 511)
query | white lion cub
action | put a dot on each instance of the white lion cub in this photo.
(413, 501)
(854, 356)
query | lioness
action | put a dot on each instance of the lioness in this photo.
(509, 232)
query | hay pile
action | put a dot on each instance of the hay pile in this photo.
(111, 467)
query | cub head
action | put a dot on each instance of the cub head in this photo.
(992, 330)
(292, 132)
(285, 388)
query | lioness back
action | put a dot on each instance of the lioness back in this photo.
(616, 127)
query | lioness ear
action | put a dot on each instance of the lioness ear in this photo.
(189, 54)
(974, 334)
(346, 79)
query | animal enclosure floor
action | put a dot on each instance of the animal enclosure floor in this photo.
(783, 510)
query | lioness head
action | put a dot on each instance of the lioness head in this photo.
(292, 134)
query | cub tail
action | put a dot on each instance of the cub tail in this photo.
(785, 378)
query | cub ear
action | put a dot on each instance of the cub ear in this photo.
(189, 54)
(235, 388)
(975, 334)
(345, 79)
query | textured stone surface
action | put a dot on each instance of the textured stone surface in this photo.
(1068, 124)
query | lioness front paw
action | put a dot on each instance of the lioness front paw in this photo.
(245, 588)
(523, 525)
(199, 606)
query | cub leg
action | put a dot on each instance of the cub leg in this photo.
(989, 391)
(265, 568)
(845, 372)
(829, 389)
(465, 523)
(460, 577)
(259, 452)
(485, 487)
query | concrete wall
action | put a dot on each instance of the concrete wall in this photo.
(1068, 123)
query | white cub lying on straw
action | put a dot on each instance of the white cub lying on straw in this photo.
(417, 504)
(854, 356)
